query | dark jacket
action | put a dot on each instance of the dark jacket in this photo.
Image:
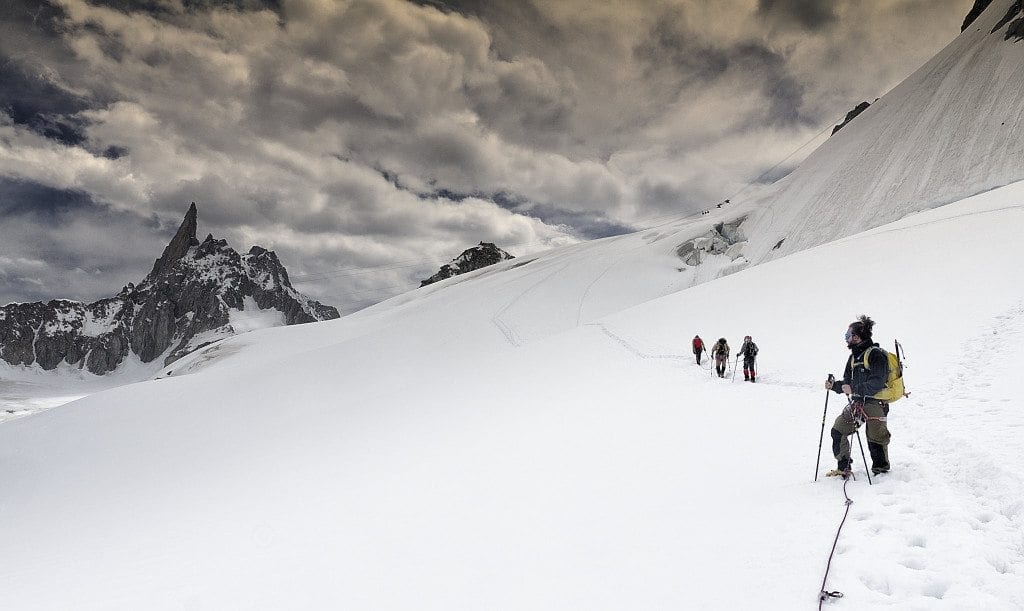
(748, 350)
(864, 382)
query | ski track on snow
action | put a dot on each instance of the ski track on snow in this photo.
(508, 329)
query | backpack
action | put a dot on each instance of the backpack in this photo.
(894, 389)
(751, 349)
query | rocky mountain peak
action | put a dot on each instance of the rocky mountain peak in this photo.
(183, 239)
(196, 294)
(471, 259)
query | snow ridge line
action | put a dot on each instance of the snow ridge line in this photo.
(947, 219)
(508, 329)
(630, 347)
(586, 292)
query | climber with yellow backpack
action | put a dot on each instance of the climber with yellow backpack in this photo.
(873, 379)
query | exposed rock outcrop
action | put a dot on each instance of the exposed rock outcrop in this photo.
(471, 259)
(850, 115)
(976, 10)
(1015, 17)
(191, 297)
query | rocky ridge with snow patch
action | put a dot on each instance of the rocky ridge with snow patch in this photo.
(470, 260)
(189, 299)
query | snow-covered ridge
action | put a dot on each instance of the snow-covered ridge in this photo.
(953, 129)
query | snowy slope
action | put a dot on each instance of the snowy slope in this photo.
(952, 129)
(413, 461)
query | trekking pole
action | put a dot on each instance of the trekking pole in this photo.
(863, 457)
(821, 437)
(736, 362)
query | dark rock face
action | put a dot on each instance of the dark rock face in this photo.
(186, 301)
(976, 10)
(471, 259)
(1014, 16)
(851, 115)
(1016, 29)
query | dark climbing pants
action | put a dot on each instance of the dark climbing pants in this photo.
(748, 367)
(877, 434)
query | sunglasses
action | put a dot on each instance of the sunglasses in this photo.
(848, 336)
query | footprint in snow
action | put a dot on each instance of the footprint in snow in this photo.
(936, 589)
(877, 583)
(917, 541)
(915, 564)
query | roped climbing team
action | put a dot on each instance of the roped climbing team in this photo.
(720, 353)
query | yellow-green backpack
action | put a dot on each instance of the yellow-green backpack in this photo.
(894, 389)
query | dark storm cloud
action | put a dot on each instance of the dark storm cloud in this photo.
(671, 42)
(29, 95)
(664, 196)
(161, 9)
(42, 202)
(782, 90)
(696, 61)
(806, 14)
(38, 105)
(62, 244)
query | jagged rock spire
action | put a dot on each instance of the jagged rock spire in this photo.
(184, 239)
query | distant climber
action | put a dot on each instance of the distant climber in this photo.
(698, 347)
(749, 353)
(720, 352)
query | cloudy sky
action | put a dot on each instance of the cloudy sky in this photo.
(370, 141)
